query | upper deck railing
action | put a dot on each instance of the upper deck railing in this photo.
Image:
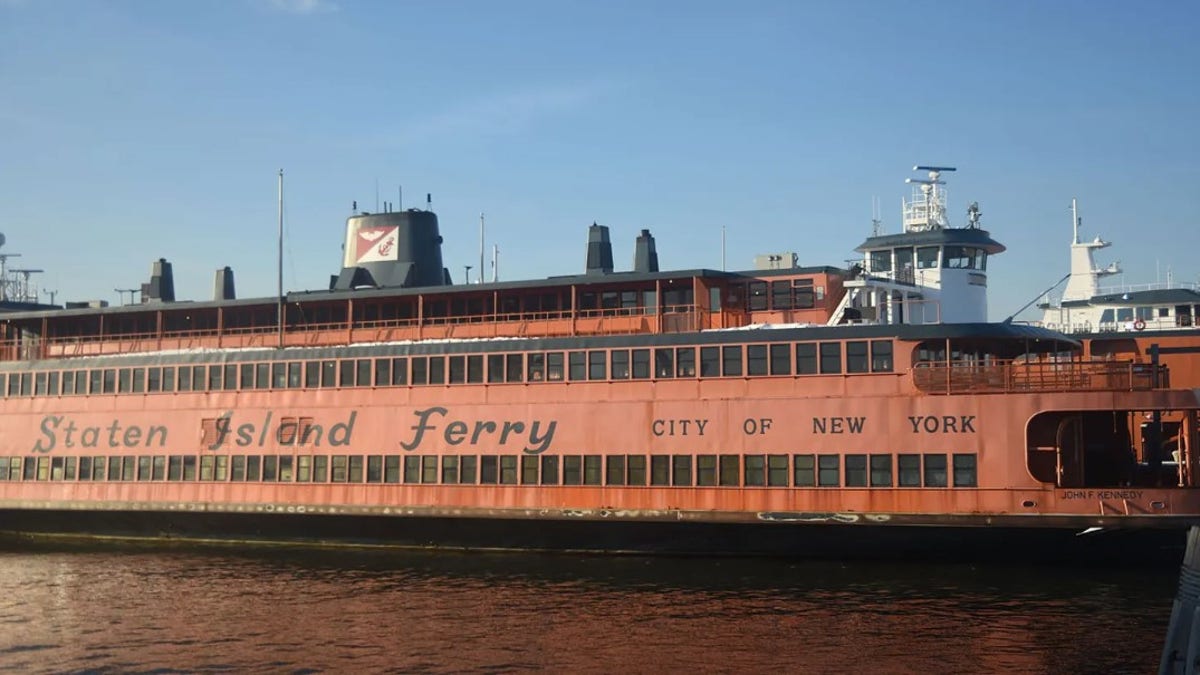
(1017, 376)
(559, 323)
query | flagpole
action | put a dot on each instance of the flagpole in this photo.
(279, 267)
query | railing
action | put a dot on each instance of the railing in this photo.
(973, 378)
(558, 323)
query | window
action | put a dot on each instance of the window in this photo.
(756, 470)
(304, 469)
(375, 469)
(208, 464)
(467, 465)
(664, 363)
(856, 470)
(636, 469)
(429, 468)
(549, 470)
(514, 367)
(756, 359)
(489, 470)
(475, 368)
(383, 372)
(959, 257)
(935, 470)
(731, 360)
(927, 257)
(710, 362)
(615, 473)
(730, 468)
(964, 471)
(805, 470)
(572, 470)
(458, 369)
(806, 358)
(536, 367)
(881, 356)
(577, 364)
(781, 360)
(529, 470)
(320, 469)
(856, 356)
(880, 261)
(437, 370)
(449, 469)
(337, 470)
(831, 357)
(270, 468)
(641, 364)
(681, 470)
(508, 470)
(881, 470)
(827, 471)
(412, 469)
(596, 366)
(660, 470)
(777, 470)
(685, 362)
(706, 470)
(781, 295)
(908, 470)
(591, 469)
(757, 295)
(620, 364)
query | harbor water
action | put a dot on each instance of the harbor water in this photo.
(122, 609)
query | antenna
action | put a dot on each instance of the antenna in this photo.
(24, 291)
(376, 195)
(481, 247)
(399, 197)
(876, 222)
(51, 294)
(466, 274)
(279, 267)
(495, 263)
(428, 201)
(1076, 221)
(130, 291)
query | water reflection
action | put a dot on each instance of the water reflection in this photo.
(286, 610)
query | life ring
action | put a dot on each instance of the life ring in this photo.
(1139, 325)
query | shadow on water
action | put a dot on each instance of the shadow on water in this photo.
(295, 610)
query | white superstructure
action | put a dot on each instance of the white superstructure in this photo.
(1087, 307)
(931, 272)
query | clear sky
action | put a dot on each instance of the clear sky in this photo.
(133, 130)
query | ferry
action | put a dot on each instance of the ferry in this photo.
(811, 411)
(1158, 321)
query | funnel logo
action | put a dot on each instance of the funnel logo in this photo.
(376, 244)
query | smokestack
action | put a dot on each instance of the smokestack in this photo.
(645, 256)
(162, 283)
(223, 284)
(599, 250)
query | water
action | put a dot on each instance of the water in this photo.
(300, 611)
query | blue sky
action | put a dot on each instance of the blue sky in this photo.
(136, 130)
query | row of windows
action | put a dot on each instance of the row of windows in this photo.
(802, 470)
(953, 257)
(786, 294)
(802, 358)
